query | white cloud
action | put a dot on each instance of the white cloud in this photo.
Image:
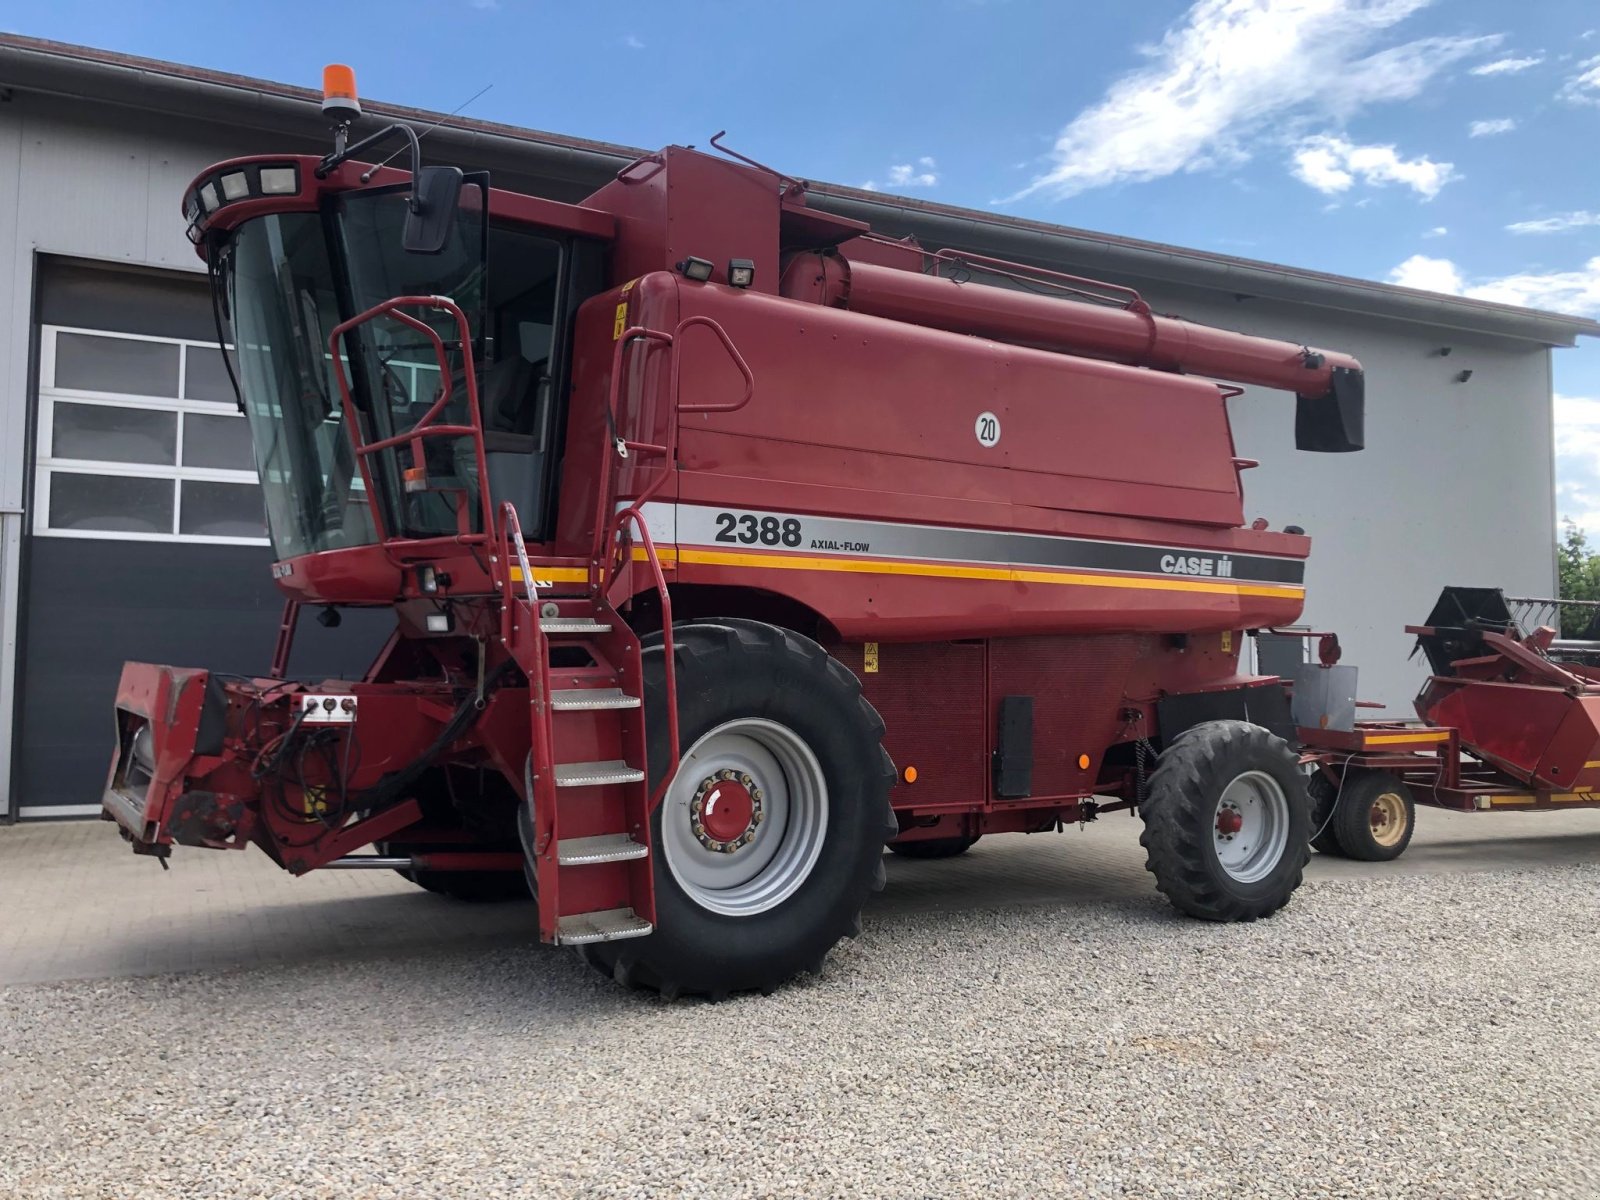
(633, 42)
(1557, 223)
(1237, 71)
(1491, 128)
(1584, 87)
(923, 172)
(1428, 275)
(1331, 164)
(1436, 232)
(1576, 292)
(1507, 66)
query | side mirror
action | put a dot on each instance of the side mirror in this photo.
(435, 194)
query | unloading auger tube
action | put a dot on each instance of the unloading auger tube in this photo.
(1111, 323)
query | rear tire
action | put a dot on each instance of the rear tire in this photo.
(1226, 822)
(1375, 817)
(774, 707)
(934, 847)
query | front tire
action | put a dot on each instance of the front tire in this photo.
(1226, 822)
(777, 739)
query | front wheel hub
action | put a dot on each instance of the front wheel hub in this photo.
(725, 811)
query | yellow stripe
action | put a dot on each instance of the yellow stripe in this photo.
(1554, 798)
(553, 574)
(868, 566)
(1595, 763)
(862, 566)
(1441, 735)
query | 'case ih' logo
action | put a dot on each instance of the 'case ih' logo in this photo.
(1179, 564)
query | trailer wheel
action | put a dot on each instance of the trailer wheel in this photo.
(771, 712)
(1226, 822)
(1324, 792)
(1375, 817)
(934, 847)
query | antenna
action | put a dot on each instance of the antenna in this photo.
(371, 171)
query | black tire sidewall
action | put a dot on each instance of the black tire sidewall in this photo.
(1322, 792)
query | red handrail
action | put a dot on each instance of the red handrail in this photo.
(535, 664)
(424, 427)
(632, 513)
(508, 538)
(733, 353)
(599, 557)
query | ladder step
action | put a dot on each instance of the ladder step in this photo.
(591, 699)
(594, 774)
(602, 848)
(561, 625)
(608, 925)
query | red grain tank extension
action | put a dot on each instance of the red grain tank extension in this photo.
(727, 543)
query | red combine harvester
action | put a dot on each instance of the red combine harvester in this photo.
(727, 543)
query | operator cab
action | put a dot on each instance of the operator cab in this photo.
(288, 269)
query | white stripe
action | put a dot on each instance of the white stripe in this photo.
(660, 519)
(58, 810)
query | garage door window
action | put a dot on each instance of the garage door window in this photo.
(139, 438)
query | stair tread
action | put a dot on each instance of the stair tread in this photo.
(599, 848)
(578, 699)
(588, 774)
(607, 925)
(573, 625)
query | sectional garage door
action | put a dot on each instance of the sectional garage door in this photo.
(146, 538)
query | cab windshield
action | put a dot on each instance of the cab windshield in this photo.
(289, 279)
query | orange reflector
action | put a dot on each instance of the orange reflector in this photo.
(910, 774)
(416, 479)
(1083, 762)
(338, 82)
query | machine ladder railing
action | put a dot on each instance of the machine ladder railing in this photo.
(601, 556)
(426, 426)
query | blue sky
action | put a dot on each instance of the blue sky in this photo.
(1448, 144)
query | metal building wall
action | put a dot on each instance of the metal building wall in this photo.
(1455, 486)
(89, 181)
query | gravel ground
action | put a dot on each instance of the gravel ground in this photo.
(1399, 1037)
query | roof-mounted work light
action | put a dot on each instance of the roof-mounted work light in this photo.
(697, 269)
(741, 272)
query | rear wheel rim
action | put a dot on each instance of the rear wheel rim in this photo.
(741, 873)
(1250, 827)
(1388, 819)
